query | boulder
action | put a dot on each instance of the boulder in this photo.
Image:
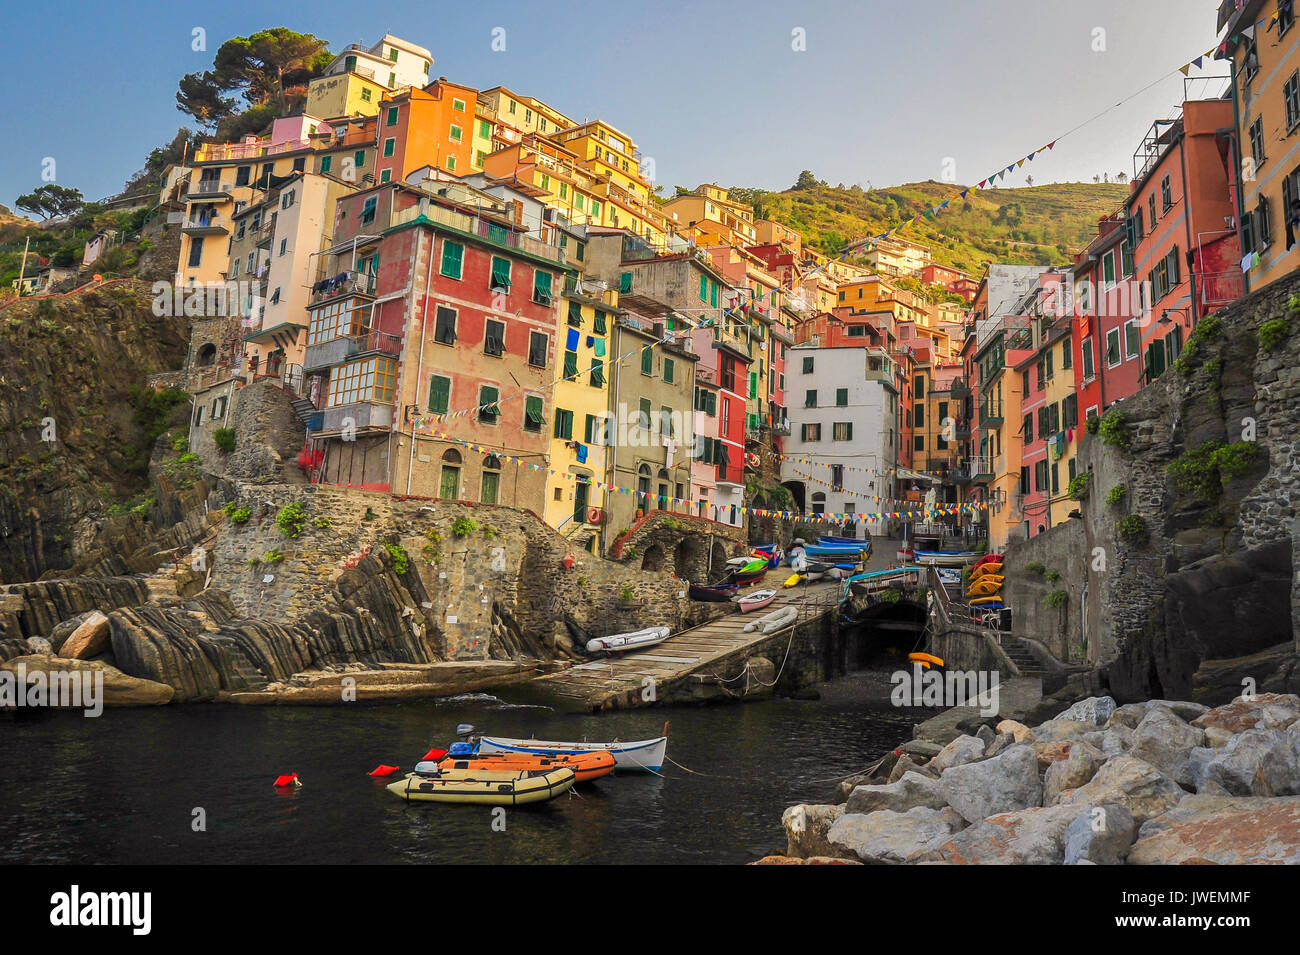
(1182, 709)
(892, 838)
(1262, 711)
(1077, 769)
(1061, 729)
(1225, 830)
(1253, 763)
(1166, 742)
(909, 792)
(1095, 710)
(1130, 782)
(1130, 715)
(812, 860)
(1001, 742)
(118, 688)
(1034, 836)
(59, 634)
(963, 749)
(39, 646)
(1100, 836)
(1004, 783)
(90, 639)
(879, 773)
(921, 747)
(985, 735)
(1019, 731)
(806, 827)
(1217, 736)
(1052, 752)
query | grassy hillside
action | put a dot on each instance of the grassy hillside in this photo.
(1020, 226)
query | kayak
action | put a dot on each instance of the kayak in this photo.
(980, 570)
(985, 586)
(988, 603)
(989, 559)
(502, 787)
(645, 754)
(755, 601)
(586, 766)
(632, 640)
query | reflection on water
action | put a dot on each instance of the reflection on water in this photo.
(125, 787)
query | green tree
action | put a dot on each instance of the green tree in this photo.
(51, 200)
(807, 180)
(270, 65)
(200, 96)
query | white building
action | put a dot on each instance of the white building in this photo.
(1007, 284)
(843, 406)
(394, 62)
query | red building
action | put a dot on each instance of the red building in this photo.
(1107, 305)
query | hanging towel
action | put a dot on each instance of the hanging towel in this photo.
(591, 340)
(600, 348)
(571, 341)
(582, 453)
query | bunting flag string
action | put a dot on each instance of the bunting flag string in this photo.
(970, 508)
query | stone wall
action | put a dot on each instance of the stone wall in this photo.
(1063, 549)
(269, 437)
(693, 548)
(1206, 580)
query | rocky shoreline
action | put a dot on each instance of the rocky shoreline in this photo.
(1161, 782)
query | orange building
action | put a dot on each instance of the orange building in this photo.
(434, 126)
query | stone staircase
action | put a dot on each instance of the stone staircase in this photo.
(1022, 657)
(303, 408)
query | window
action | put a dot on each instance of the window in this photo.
(451, 163)
(669, 370)
(1263, 227)
(1085, 348)
(444, 326)
(389, 146)
(644, 413)
(1024, 480)
(1108, 269)
(1166, 194)
(368, 210)
(500, 280)
(488, 409)
(597, 373)
(453, 256)
(196, 251)
(533, 417)
(484, 129)
(538, 345)
(647, 360)
(811, 432)
(542, 287)
(1027, 429)
(807, 366)
(1248, 232)
(457, 134)
(1151, 210)
(325, 163)
(494, 338)
(841, 397)
(1131, 335)
(564, 424)
(1291, 99)
(842, 431)
(372, 379)
(242, 175)
(1126, 259)
(810, 398)
(365, 94)
(918, 387)
(919, 416)
(1285, 16)
(439, 394)
(918, 443)
(704, 288)
(570, 365)
(1070, 411)
(392, 116)
(1113, 356)
(1257, 141)
(1044, 422)
(359, 158)
(392, 54)
(1056, 474)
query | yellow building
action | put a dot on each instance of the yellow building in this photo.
(1061, 398)
(357, 79)
(580, 431)
(525, 114)
(709, 216)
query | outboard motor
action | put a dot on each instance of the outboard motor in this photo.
(465, 731)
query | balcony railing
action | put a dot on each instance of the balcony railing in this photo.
(288, 377)
(343, 283)
(492, 231)
(959, 388)
(991, 411)
(207, 188)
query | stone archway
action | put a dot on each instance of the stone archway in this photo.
(653, 559)
(684, 555)
(796, 489)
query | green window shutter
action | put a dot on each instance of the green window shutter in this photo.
(713, 294)
(704, 288)
(500, 273)
(597, 373)
(485, 129)
(487, 399)
(392, 116)
(359, 158)
(589, 429)
(533, 417)
(598, 326)
(668, 370)
(625, 283)
(452, 258)
(542, 287)
(439, 394)
(753, 384)
(647, 360)
(389, 146)
(575, 314)
(325, 162)
(570, 364)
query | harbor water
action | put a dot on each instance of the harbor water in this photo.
(193, 783)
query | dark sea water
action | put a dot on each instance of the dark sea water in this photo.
(123, 788)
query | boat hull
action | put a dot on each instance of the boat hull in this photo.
(622, 642)
(586, 766)
(713, 594)
(646, 754)
(755, 601)
(485, 788)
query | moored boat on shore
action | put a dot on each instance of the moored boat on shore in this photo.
(484, 787)
(645, 754)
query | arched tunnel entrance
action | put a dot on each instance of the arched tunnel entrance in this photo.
(884, 632)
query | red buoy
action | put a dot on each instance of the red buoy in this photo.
(290, 780)
(383, 769)
(434, 755)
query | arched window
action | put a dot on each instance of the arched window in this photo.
(207, 354)
(449, 485)
(491, 479)
(643, 479)
(819, 502)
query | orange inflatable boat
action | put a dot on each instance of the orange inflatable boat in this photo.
(586, 766)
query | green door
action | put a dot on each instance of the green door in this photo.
(450, 483)
(580, 490)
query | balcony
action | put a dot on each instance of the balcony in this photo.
(981, 469)
(205, 225)
(990, 412)
(491, 230)
(206, 189)
(358, 415)
(339, 350)
(343, 283)
(959, 388)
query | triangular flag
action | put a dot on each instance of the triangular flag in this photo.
(1184, 68)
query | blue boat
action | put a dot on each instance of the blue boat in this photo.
(837, 551)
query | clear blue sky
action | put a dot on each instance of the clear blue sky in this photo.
(711, 90)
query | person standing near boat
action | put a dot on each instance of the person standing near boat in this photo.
(798, 556)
